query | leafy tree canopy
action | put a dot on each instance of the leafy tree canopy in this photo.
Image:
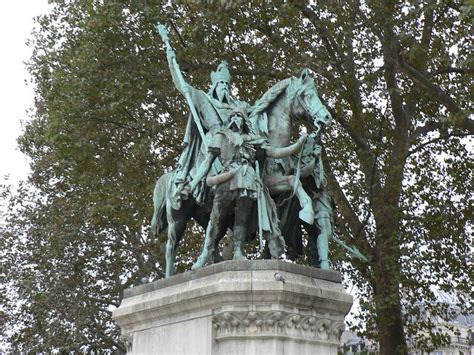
(396, 76)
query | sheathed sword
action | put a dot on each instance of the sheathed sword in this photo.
(259, 204)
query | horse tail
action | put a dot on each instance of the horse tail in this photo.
(160, 195)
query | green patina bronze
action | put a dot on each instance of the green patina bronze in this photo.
(239, 186)
(239, 171)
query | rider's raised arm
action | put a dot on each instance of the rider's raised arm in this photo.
(273, 152)
(176, 74)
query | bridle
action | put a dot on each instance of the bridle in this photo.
(314, 115)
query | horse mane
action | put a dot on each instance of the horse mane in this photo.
(257, 115)
(270, 96)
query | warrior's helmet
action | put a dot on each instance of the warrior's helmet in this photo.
(221, 74)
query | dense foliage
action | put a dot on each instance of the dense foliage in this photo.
(397, 77)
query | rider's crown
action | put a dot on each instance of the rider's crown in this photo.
(221, 73)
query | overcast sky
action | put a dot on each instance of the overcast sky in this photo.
(16, 24)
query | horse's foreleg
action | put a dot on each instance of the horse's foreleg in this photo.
(170, 250)
(170, 246)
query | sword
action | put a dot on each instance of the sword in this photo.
(352, 250)
(259, 205)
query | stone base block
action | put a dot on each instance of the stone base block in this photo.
(237, 307)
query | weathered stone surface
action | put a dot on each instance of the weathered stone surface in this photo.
(237, 307)
(236, 265)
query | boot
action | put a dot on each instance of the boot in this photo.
(238, 255)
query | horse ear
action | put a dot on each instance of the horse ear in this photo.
(305, 74)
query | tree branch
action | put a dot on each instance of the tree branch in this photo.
(330, 44)
(369, 23)
(108, 338)
(129, 114)
(464, 124)
(388, 199)
(427, 27)
(104, 302)
(432, 89)
(434, 140)
(355, 126)
(448, 70)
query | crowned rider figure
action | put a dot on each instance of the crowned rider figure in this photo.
(209, 113)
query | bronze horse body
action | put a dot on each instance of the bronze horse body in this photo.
(274, 114)
(172, 214)
(272, 117)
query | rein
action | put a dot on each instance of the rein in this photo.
(296, 177)
(313, 115)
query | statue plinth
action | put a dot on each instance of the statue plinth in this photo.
(237, 307)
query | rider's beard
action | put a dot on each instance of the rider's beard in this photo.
(223, 96)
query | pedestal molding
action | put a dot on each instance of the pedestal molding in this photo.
(277, 324)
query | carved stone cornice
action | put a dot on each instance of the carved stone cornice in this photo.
(127, 340)
(278, 324)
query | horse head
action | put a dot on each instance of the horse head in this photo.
(305, 101)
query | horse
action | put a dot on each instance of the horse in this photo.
(172, 213)
(273, 116)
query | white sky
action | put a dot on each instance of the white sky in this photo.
(16, 24)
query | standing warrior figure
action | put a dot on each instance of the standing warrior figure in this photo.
(241, 153)
(323, 205)
(209, 113)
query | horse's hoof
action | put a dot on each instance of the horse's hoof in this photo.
(196, 266)
(324, 265)
(199, 264)
(306, 215)
(217, 258)
(239, 256)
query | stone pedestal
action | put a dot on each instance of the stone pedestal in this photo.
(236, 307)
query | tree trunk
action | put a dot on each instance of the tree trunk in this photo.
(391, 334)
(388, 307)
